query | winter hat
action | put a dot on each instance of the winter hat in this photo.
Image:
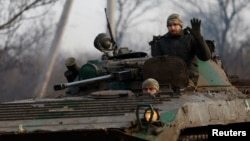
(174, 19)
(150, 82)
(70, 62)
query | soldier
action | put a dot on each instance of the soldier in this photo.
(151, 86)
(73, 69)
(187, 44)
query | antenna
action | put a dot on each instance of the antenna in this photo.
(110, 32)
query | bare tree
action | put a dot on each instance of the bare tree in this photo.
(15, 11)
(25, 30)
(243, 59)
(15, 16)
(224, 22)
(218, 19)
(131, 14)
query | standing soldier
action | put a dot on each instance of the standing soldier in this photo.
(178, 42)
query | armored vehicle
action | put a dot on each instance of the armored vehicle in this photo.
(104, 102)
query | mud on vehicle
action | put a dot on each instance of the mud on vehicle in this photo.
(104, 101)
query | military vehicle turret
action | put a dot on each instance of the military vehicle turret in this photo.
(104, 101)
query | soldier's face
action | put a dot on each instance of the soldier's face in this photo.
(174, 29)
(150, 90)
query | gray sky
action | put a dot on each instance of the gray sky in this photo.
(86, 20)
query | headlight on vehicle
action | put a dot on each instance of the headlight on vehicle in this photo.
(151, 115)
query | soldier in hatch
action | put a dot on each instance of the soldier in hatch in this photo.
(151, 86)
(187, 44)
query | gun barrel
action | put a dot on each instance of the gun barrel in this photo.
(78, 83)
(129, 62)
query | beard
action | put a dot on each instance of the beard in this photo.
(175, 33)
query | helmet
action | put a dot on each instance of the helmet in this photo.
(102, 42)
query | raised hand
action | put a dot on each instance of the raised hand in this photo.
(196, 27)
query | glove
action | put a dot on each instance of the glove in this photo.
(196, 28)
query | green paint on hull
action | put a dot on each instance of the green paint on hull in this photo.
(168, 116)
(208, 72)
